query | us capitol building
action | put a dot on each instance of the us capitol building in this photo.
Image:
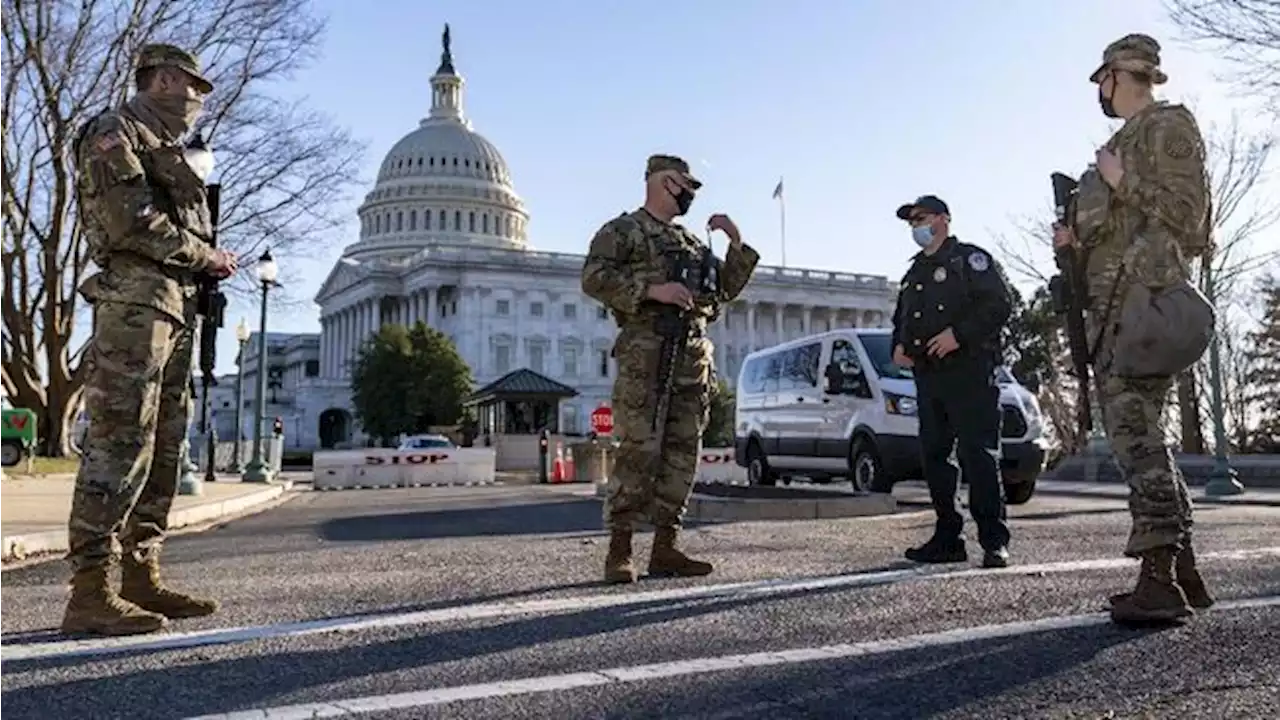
(444, 240)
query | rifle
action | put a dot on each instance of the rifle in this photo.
(211, 305)
(1069, 295)
(672, 325)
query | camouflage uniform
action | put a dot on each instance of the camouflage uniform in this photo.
(1144, 231)
(146, 220)
(628, 255)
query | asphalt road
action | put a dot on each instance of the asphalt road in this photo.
(484, 603)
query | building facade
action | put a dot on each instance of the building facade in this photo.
(443, 241)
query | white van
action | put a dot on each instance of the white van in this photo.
(834, 405)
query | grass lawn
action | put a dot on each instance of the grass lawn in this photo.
(45, 466)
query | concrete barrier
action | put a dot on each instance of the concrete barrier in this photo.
(382, 468)
(716, 465)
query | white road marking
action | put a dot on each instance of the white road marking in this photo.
(559, 605)
(698, 666)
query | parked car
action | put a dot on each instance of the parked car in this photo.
(425, 442)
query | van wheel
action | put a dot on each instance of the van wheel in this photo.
(1019, 493)
(758, 470)
(12, 453)
(866, 472)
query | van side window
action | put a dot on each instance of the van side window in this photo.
(761, 374)
(800, 367)
(845, 375)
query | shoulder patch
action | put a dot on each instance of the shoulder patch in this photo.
(108, 141)
(979, 261)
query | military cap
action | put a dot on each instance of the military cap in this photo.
(1137, 53)
(161, 55)
(659, 163)
(928, 203)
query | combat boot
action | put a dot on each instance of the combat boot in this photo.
(1158, 597)
(96, 609)
(618, 567)
(1189, 578)
(140, 584)
(667, 561)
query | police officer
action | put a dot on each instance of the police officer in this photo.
(952, 305)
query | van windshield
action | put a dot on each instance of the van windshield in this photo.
(879, 349)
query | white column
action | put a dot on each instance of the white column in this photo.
(808, 319)
(777, 323)
(348, 337)
(431, 307)
(751, 325)
(325, 338)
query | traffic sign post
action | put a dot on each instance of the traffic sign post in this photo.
(602, 421)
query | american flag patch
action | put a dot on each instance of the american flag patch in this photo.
(108, 142)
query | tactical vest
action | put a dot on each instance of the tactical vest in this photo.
(176, 192)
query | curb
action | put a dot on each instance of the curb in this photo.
(1196, 500)
(26, 546)
(474, 483)
(712, 508)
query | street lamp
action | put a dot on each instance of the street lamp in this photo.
(258, 471)
(242, 338)
(1222, 479)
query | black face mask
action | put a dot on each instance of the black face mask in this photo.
(683, 197)
(1108, 103)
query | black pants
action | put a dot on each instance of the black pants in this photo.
(959, 408)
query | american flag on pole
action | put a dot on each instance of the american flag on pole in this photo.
(777, 191)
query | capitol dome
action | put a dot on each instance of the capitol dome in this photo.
(442, 184)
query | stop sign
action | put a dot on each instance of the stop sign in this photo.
(602, 421)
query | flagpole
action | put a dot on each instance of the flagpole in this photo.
(782, 218)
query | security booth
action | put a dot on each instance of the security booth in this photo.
(511, 411)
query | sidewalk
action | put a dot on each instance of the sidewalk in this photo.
(34, 511)
(1264, 497)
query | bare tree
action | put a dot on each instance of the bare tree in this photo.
(1238, 163)
(282, 168)
(1246, 33)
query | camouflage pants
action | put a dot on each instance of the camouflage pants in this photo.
(642, 487)
(139, 402)
(1133, 414)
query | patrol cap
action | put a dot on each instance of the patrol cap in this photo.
(162, 55)
(659, 163)
(928, 203)
(1136, 53)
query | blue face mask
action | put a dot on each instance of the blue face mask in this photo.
(922, 235)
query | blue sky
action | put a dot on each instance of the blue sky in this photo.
(860, 105)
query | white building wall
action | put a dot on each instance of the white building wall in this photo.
(505, 310)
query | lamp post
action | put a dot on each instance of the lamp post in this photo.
(1222, 479)
(258, 472)
(242, 339)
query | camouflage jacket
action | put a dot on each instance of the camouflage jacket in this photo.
(145, 215)
(630, 253)
(1157, 219)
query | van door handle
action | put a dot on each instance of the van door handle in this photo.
(826, 400)
(799, 399)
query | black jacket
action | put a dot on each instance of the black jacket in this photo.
(959, 287)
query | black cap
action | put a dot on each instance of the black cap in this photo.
(929, 203)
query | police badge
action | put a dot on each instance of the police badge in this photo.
(940, 274)
(979, 261)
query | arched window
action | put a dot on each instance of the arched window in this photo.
(486, 223)
(457, 220)
(399, 220)
(471, 222)
(413, 220)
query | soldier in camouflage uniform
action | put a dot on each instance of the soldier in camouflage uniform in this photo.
(626, 269)
(147, 223)
(1142, 215)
